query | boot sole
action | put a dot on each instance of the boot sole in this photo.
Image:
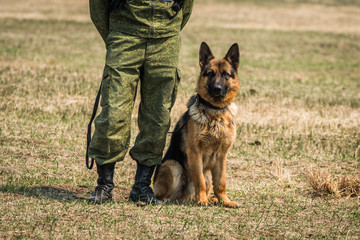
(138, 201)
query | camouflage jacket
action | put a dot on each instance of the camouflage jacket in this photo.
(142, 18)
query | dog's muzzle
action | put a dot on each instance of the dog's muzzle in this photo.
(217, 90)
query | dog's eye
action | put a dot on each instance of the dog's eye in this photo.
(211, 73)
(225, 74)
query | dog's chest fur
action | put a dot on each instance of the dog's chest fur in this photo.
(213, 128)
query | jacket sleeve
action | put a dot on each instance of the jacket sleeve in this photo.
(187, 9)
(99, 14)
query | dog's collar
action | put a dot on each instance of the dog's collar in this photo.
(199, 99)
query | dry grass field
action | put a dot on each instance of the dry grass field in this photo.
(295, 165)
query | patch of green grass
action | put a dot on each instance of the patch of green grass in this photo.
(74, 43)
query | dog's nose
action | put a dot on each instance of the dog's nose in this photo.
(217, 90)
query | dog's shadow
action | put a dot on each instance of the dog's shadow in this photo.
(58, 193)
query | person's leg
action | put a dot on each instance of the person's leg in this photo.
(124, 63)
(158, 92)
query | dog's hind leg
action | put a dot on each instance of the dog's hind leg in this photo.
(168, 180)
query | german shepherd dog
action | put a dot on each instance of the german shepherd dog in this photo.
(196, 159)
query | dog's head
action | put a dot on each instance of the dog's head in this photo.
(218, 82)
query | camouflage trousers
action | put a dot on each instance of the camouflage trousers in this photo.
(130, 60)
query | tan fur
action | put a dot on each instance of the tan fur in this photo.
(206, 139)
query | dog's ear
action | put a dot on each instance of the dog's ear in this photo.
(205, 55)
(233, 56)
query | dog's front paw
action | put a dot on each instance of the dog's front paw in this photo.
(231, 204)
(213, 200)
(203, 202)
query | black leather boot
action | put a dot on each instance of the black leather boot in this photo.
(103, 191)
(141, 190)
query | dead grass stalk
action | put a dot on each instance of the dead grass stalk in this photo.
(324, 184)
